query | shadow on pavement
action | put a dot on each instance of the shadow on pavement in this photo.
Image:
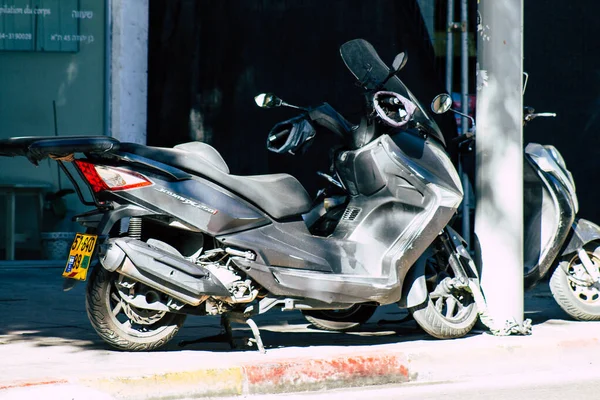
(35, 310)
(540, 306)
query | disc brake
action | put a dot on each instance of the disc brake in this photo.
(140, 316)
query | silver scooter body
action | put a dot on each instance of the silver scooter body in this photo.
(550, 207)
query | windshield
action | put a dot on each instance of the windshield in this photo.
(362, 60)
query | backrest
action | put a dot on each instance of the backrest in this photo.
(207, 152)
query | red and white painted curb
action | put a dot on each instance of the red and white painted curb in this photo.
(272, 376)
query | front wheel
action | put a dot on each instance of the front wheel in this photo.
(340, 320)
(450, 311)
(122, 325)
(573, 294)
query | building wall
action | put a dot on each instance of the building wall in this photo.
(29, 84)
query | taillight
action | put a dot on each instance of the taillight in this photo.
(101, 177)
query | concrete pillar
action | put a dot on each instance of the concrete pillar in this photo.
(499, 155)
(128, 66)
(464, 90)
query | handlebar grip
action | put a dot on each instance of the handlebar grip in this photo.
(390, 101)
(279, 135)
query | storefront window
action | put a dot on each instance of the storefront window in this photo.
(52, 83)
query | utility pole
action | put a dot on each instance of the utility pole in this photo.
(127, 75)
(499, 155)
(464, 92)
(449, 46)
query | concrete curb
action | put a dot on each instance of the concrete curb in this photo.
(274, 376)
(422, 361)
(320, 374)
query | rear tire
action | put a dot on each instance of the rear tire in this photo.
(447, 313)
(111, 317)
(580, 301)
(340, 320)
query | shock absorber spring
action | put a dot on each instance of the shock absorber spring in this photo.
(135, 228)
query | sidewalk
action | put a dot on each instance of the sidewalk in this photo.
(46, 340)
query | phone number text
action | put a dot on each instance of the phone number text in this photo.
(15, 36)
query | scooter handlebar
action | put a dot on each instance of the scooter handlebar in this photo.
(530, 114)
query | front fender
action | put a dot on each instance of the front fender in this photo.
(584, 232)
(414, 288)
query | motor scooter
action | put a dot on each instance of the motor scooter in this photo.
(175, 233)
(556, 241)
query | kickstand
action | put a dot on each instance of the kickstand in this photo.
(256, 334)
(227, 334)
(241, 319)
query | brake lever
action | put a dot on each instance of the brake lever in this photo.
(331, 179)
(463, 138)
(529, 117)
(464, 142)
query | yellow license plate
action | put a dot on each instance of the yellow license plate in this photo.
(80, 256)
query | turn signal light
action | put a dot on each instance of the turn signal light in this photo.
(101, 177)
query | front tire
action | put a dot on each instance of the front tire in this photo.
(579, 300)
(340, 320)
(123, 326)
(448, 312)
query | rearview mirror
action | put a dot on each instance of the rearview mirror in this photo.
(399, 61)
(441, 103)
(267, 100)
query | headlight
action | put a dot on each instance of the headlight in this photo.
(556, 155)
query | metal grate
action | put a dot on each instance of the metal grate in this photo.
(351, 213)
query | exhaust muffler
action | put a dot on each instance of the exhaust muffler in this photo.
(160, 270)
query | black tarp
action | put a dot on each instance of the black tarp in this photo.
(208, 59)
(562, 57)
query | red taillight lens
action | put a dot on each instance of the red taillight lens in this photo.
(101, 177)
(90, 175)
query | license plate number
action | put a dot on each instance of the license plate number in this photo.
(80, 256)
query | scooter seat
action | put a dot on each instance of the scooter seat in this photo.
(279, 195)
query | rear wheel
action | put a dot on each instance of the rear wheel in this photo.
(122, 325)
(450, 310)
(340, 320)
(571, 288)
